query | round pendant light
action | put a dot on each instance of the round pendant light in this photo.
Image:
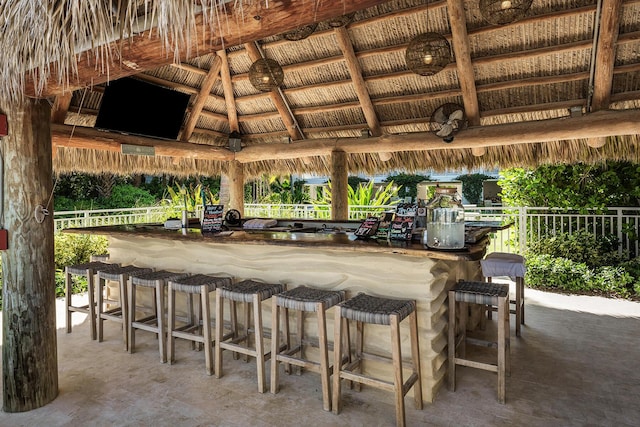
(428, 53)
(266, 74)
(501, 12)
(300, 33)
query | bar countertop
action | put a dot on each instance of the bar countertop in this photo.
(334, 240)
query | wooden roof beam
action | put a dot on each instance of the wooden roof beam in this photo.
(201, 99)
(277, 97)
(229, 97)
(464, 67)
(598, 124)
(252, 21)
(355, 70)
(60, 108)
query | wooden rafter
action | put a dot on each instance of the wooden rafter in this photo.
(200, 100)
(60, 108)
(461, 48)
(252, 22)
(229, 97)
(278, 99)
(605, 54)
(355, 70)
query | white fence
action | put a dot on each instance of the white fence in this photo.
(530, 224)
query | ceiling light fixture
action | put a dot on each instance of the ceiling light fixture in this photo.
(501, 12)
(427, 54)
(266, 74)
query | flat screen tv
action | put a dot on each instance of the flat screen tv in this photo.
(140, 108)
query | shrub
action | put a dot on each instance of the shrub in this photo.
(128, 196)
(580, 246)
(72, 249)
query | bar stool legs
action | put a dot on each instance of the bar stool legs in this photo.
(478, 293)
(381, 311)
(248, 292)
(302, 299)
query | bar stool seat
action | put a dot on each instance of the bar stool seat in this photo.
(368, 309)
(156, 280)
(497, 264)
(87, 270)
(119, 313)
(197, 327)
(302, 299)
(253, 293)
(493, 294)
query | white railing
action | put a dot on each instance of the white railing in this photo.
(530, 224)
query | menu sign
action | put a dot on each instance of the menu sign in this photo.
(403, 221)
(212, 218)
(368, 227)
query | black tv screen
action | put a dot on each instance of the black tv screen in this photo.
(137, 107)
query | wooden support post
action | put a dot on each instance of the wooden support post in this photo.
(339, 186)
(236, 186)
(29, 347)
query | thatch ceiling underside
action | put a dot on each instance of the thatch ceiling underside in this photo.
(532, 70)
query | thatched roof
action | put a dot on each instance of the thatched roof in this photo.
(517, 83)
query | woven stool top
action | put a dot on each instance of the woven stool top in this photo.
(304, 298)
(192, 284)
(480, 292)
(377, 310)
(116, 272)
(81, 269)
(151, 278)
(245, 290)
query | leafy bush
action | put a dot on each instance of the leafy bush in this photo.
(580, 246)
(72, 249)
(128, 196)
(472, 185)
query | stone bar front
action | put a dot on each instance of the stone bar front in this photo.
(336, 261)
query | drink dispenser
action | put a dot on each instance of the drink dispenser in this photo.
(445, 220)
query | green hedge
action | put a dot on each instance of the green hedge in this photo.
(582, 263)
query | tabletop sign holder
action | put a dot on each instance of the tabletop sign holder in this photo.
(384, 225)
(368, 227)
(403, 221)
(212, 219)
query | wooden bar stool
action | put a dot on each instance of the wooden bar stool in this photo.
(303, 299)
(120, 312)
(252, 293)
(513, 266)
(197, 327)
(367, 309)
(493, 294)
(156, 280)
(87, 270)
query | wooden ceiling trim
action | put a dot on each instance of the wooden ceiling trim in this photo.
(462, 51)
(532, 108)
(342, 35)
(146, 51)
(278, 99)
(229, 97)
(216, 116)
(201, 98)
(190, 69)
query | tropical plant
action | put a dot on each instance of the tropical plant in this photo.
(365, 195)
(180, 197)
(409, 183)
(472, 185)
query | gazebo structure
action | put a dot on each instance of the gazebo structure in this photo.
(558, 82)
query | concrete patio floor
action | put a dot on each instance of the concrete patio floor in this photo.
(576, 364)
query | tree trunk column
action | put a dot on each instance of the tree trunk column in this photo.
(29, 354)
(339, 186)
(236, 186)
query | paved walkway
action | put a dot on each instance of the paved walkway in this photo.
(577, 364)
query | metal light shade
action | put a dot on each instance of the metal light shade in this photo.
(340, 21)
(266, 74)
(501, 12)
(300, 33)
(428, 53)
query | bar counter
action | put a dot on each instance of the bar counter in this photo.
(328, 260)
